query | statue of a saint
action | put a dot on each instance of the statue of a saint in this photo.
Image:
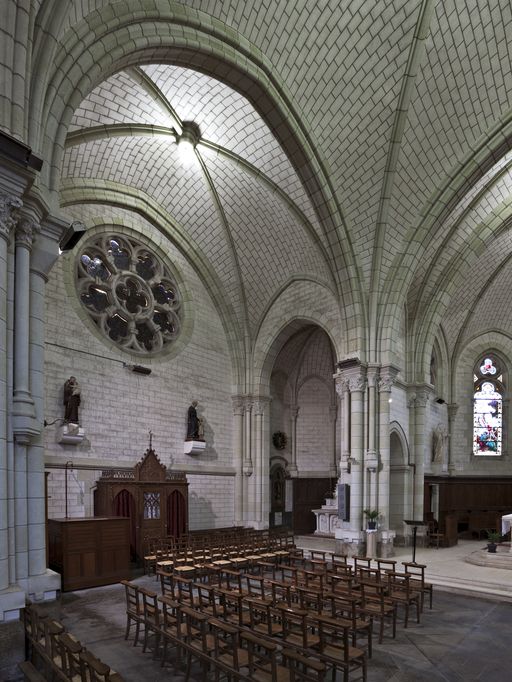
(71, 401)
(192, 422)
(439, 438)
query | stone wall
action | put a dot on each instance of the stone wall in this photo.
(119, 407)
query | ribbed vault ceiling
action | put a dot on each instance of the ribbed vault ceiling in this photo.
(394, 97)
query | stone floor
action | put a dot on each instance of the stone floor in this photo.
(465, 637)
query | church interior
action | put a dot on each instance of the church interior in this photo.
(254, 264)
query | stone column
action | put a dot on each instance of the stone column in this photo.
(24, 421)
(248, 493)
(248, 436)
(9, 205)
(448, 464)
(357, 384)
(387, 377)
(342, 391)
(420, 403)
(261, 461)
(292, 468)
(258, 462)
(333, 418)
(238, 457)
(23, 405)
(371, 460)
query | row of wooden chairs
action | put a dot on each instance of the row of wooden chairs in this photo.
(203, 561)
(370, 569)
(51, 653)
(247, 598)
(380, 591)
(280, 644)
(332, 593)
(241, 542)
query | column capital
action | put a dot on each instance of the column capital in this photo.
(419, 398)
(294, 411)
(354, 372)
(452, 411)
(10, 206)
(341, 384)
(260, 403)
(26, 231)
(238, 404)
(357, 383)
(387, 378)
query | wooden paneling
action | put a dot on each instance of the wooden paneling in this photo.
(308, 494)
(89, 552)
(473, 504)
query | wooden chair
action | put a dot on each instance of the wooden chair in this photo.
(228, 653)
(151, 615)
(70, 649)
(94, 670)
(172, 627)
(262, 618)
(199, 641)
(296, 628)
(417, 579)
(262, 661)
(205, 600)
(30, 672)
(347, 607)
(47, 647)
(134, 610)
(374, 604)
(400, 592)
(386, 565)
(256, 588)
(334, 646)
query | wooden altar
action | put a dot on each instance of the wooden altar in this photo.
(154, 499)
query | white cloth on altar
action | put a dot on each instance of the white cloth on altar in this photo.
(506, 523)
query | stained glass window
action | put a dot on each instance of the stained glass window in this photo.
(129, 293)
(487, 410)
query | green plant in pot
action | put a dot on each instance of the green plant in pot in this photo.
(372, 515)
(492, 538)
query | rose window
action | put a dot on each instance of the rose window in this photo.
(129, 293)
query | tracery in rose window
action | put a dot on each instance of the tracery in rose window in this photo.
(129, 293)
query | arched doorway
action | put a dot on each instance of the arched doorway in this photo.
(303, 427)
(176, 514)
(277, 496)
(399, 502)
(124, 505)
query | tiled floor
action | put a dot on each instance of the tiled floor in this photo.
(463, 638)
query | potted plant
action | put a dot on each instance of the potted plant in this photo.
(372, 515)
(492, 538)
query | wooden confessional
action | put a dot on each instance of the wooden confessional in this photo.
(154, 499)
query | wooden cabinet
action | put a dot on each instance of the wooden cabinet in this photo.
(89, 552)
(154, 499)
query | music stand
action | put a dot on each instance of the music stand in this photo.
(414, 525)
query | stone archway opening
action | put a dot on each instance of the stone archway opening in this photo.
(303, 417)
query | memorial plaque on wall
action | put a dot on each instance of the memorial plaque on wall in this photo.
(344, 501)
